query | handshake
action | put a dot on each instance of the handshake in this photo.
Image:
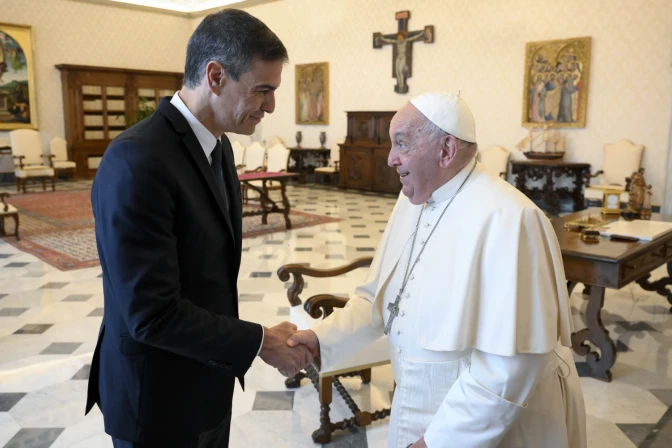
(287, 349)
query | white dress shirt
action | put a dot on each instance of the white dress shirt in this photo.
(208, 142)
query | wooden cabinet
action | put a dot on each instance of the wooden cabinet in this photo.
(364, 154)
(99, 101)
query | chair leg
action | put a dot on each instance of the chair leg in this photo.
(18, 185)
(44, 184)
(25, 179)
(323, 435)
(295, 381)
(53, 183)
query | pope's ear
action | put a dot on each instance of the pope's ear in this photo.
(448, 145)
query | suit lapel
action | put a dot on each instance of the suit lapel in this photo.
(233, 189)
(196, 151)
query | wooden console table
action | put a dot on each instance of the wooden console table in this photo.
(549, 171)
(299, 155)
(267, 204)
(609, 264)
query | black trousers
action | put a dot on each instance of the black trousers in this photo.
(217, 437)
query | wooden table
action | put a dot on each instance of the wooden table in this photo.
(299, 154)
(267, 204)
(549, 171)
(609, 264)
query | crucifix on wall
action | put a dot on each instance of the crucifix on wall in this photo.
(402, 48)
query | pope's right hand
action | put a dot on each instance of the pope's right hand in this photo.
(276, 353)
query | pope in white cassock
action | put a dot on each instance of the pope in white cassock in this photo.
(469, 286)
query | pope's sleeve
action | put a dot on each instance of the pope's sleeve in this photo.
(348, 329)
(486, 399)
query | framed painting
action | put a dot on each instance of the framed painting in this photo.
(555, 92)
(312, 93)
(17, 78)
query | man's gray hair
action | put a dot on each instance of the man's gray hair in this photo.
(430, 130)
(231, 37)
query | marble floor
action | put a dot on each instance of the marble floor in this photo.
(49, 322)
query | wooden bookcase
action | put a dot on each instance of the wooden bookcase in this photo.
(96, 102)
(363, 159)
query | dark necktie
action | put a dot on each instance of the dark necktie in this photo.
(217, 154)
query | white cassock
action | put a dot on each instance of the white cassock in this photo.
(480, 346)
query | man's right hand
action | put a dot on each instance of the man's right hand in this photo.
(276, 353)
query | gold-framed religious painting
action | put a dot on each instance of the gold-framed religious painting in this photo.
(17, 78)
(555, 93)
(312, 93)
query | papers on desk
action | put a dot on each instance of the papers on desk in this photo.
(640, 229)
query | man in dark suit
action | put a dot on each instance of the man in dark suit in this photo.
(167, 204)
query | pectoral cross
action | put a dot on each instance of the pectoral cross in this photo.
(394, 312)
(402, 53)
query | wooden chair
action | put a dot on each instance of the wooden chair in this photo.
(254, 160)
(303, 315)
(496, 160)
(331, 170)
(58, 147)
(28, 159)
(621, 160)
(238, 155)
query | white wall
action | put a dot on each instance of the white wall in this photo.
(70, 32)
(480, 49)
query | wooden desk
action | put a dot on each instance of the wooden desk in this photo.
(608, 264)
(321, 156)
(267, 204)
(548, 171)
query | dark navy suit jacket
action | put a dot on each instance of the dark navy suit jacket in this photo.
(171, 344)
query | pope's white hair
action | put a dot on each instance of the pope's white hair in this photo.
(430, 130)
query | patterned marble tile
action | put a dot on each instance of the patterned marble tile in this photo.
(274, 401)
(33, 329)
(98, 312)
(8, 400)
(61, 348)
(4, 312)
(78, 298)
(83, 373)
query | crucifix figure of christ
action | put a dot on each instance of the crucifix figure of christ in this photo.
(402, 41)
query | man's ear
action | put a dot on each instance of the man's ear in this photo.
(215, 76)
(448, 144)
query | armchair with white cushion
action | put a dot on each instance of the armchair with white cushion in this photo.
(332, 168)
(59, 150)
(29, 159)
(238, 155)
(495, 160)
(254, 161)
(277, 159)
(305, 315)
(620, 160)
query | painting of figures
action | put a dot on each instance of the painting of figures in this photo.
(17, 87)
(312, 93)
(556, 83)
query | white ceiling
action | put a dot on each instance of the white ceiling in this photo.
(182, 7)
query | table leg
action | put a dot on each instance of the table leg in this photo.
(551, 199)
(285, 203)
(597, 335)
(262, 202)
(659, 286)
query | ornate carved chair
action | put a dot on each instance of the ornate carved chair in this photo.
(28, 159)
(304, 316)
(254, 160)
(621, 159)
(58, 148)
(496, 160)
(331, 170)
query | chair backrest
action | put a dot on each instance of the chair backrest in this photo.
(274, 141)
(621, 159)
(495, 160)
(26, 142)
(278, 158)
(59, 148)
(254, 156)
(238, 152)
(335, 152)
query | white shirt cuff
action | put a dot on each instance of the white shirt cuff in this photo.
(262, 340)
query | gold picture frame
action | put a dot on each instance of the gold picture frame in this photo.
(555, 92)
(312, 93)
(18, 106)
